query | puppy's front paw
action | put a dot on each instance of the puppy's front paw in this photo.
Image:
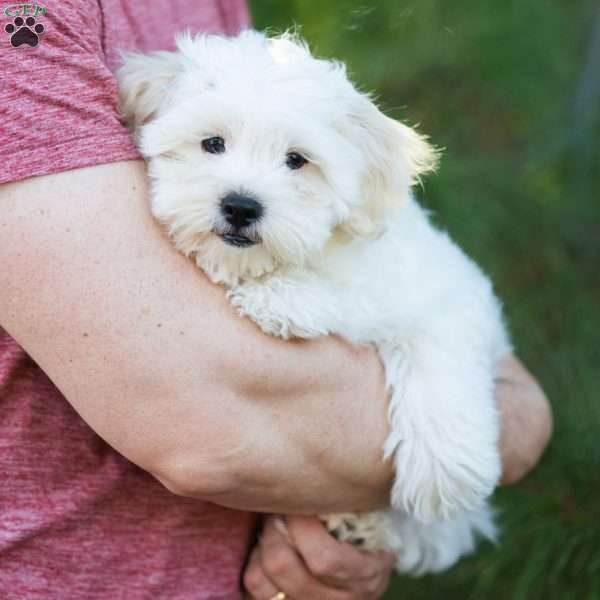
(255, 302)
(278, 309)
(444, 430)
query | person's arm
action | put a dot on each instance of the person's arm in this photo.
(156, 362)
(525, 420)
(154, 359)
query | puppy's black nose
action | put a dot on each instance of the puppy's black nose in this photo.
(240, 211)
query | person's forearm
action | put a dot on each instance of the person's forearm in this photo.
(154, 359)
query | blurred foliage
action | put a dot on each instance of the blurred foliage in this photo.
(495, 84)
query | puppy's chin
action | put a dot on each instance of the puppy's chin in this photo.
(228, 263)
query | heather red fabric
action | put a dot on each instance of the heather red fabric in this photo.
(77, 520)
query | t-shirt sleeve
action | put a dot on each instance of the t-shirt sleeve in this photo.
(58, 99)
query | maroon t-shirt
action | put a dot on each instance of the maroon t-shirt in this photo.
(77, 520)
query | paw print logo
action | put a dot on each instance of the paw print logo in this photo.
(24, 31)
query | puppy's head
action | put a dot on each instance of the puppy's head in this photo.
(259, 152)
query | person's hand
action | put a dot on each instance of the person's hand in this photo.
(297, 559)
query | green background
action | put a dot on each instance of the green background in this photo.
(504, 88)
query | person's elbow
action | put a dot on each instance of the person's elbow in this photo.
(211, 450)
(210, 465)
(236, 478)
(184, 475)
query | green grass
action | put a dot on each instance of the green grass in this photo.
(495, 84)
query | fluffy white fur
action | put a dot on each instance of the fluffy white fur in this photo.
(343, 249)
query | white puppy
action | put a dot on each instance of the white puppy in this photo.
(289, 187)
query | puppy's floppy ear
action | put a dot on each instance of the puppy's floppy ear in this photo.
(395, 158)
(144, 82)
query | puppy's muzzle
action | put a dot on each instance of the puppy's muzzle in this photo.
(240, 213)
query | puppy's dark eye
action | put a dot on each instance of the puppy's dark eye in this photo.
(295, 161)
(214, 145)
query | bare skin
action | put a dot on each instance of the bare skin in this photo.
(525, 420)
(155, 361)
